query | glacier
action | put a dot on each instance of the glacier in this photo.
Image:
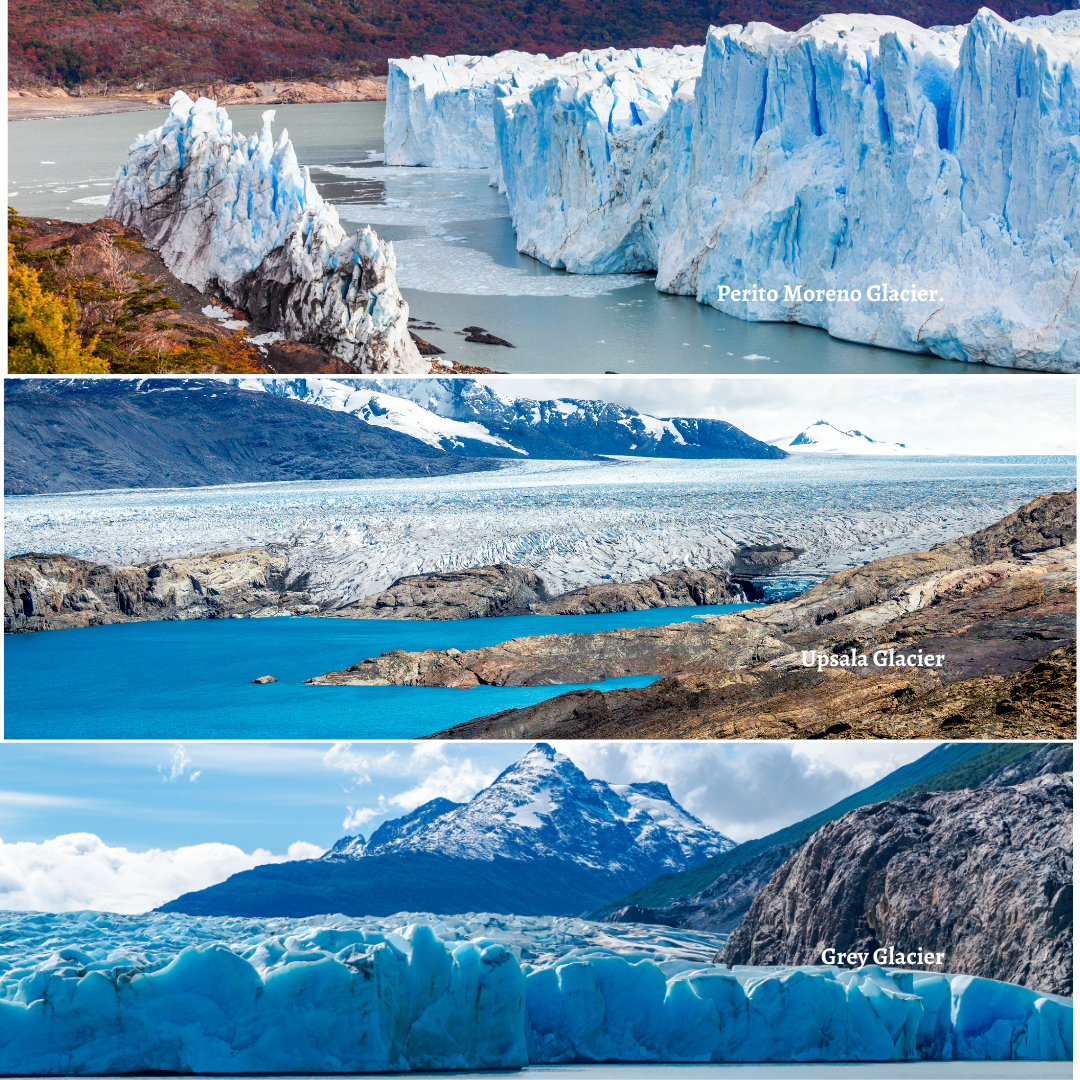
(932, 172)
(92, 992)
(439, 110)
(574, 523)
(239, 218)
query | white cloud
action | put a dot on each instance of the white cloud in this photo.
(458, 782)
(78, 871)
(356, 819)
(30, 799)
(178, 765)
(747, 790)
(457, 779)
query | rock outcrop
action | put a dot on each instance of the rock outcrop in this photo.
(983, 876)
(53, 592)
(239, 218)
(1045, 761)
(678, 588)
(475, 593)
(484, 591)
(998, 607)
(564, 658)
(720, 906)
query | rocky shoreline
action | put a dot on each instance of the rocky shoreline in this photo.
(47, 103)
(55, 592)
(998, 606)
(58, 592)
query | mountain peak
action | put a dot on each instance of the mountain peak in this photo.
(544, 807)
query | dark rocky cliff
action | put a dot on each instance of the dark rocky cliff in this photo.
(984, 876)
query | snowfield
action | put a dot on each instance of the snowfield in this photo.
(932, 171)
(574, 523)
(92, 993)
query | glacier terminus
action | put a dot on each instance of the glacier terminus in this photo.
(909, 188)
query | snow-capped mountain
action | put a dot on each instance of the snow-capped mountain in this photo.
(383, 410)
(543, 807)
(823, 438)
(464, 416)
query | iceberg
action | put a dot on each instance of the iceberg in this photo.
(239, 218)
(94, 993)
(909, 188)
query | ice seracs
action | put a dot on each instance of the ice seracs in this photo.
(94, 993)
(238, 217)
(909, 188)
(439, 110)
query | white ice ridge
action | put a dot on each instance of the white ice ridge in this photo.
(93, 993)
(859, 152)
(238, 216)
(439, 109)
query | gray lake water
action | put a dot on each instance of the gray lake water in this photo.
(458, 263)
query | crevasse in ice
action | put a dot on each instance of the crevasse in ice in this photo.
(91, 992)
(240, 216)
(858, 152)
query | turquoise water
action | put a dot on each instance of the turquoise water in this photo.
(193, 680)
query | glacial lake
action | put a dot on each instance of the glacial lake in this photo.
(458, 264)
(193, 679)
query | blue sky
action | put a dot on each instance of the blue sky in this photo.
(268, 795)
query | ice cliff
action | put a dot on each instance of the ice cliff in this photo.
(239, 217)
(93, 993)
(932, 172)
(439, 109)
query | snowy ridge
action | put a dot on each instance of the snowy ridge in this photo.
(930, 170)
(382, 410)
(439, 109)
(822, 437)
(240, 216)
(470, 409)
(544, 807)
(90, 992)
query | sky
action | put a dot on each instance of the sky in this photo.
(127, 826)
(955, 414)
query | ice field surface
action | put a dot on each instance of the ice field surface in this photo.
(573, 523)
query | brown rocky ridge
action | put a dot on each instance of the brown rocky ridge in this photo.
(998, 605)
(54, 592)
(51, 592)
(983, 876)
(42, 102)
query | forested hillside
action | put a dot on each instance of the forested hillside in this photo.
(161, 43)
